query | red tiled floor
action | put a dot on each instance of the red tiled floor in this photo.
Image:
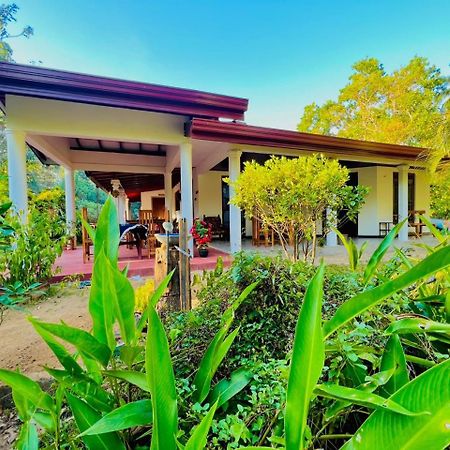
(71, 263)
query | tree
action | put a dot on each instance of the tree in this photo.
(292, 195)
(440, 194)
(409, 106)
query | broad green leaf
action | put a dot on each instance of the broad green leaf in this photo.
(363, 301)
(86, 416)
(139, 379)
(27, 388)
(362, 398)
(161, 380)
(390, 431)
(107, 236)
(229, 313)
(130, 415)
(378, 254)
(447, 306)
(28, 438)
(225, 389)
(433, 230)
(418, 325)
(84, 342)
(350, 247)
(307, 361)
(394, 359)
(197, 440)
(88, 228)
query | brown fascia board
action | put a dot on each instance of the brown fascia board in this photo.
(33, 81)
(239, 133)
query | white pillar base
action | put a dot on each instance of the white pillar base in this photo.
(187, 208)
(403, 201)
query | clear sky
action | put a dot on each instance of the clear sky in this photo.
(281, 55)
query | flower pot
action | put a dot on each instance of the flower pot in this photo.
(203, 252)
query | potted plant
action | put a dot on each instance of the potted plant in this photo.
(201, 232)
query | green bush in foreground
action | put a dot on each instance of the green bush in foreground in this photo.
(125, 393)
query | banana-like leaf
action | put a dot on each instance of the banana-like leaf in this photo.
(433, 230)
(130, 415)
(161, 380)
(84, 342)
(386, 430)
(378, 254)
(88, 228)
(363, 301)
(394, 359)
(225, 389)
(353, 253)
(86, 416)
(200, 433)
(447, 306)
(107, 232)
(28, 389)
(362, 398)
(417, 325)
(139, 379)
(229, 313)
(28, 438)
(307, 361)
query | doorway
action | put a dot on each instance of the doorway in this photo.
(345, 225)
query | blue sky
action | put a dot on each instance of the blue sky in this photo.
(282, 55)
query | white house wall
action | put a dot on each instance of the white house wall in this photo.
(210, 193)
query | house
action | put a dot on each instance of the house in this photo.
(170, 148)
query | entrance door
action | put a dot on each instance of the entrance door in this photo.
(158, 207)
(345, 225)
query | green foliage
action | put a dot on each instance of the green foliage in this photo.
(291, 195)
(440, 194)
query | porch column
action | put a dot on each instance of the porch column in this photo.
(17, 171)
(187, 208)
(331, 240)
(168, 194)
(69, 187)
(234, 168)
(195, 191)
(121, 207)
(403, 200)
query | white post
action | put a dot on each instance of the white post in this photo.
(195, 192)
(17, 171)
(168, 194)
(121, 207)
(187, 209)
(234, 168)
(331, 235)
(403, 201)
(69, 186)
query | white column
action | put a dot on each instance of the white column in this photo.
(69, 187)
(331, 240)
(234, 168)
(121, 207)
(187, 208)
(195, 192)
(17, 171)
(403, 200)
(168, 194)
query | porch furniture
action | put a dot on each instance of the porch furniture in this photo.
(415, 222)
(261, 234)
(86, 241)
(384, 227)
(217, 229)
(146, 218)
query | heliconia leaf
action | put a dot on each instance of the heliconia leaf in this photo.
(229, 313)
(361, 302)
(88, 228)
(225, 389)
(161, 380)
(86, 416)
(387, 430)
(418, 325)
(197, 440)
(433, 230)
(130, 415)
(27, 388)
(378, 254)
(307, 361)
(107, 236)
(28, 438)
(358, 397)
(352, 250)
(84, 342)
(447, 306)
(139, 379)
(394, 359)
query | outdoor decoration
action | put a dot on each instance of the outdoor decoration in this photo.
(201, 232)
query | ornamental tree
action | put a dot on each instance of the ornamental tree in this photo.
(291, 196)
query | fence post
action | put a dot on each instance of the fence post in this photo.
(185, 268)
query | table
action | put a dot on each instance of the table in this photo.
(384, 227)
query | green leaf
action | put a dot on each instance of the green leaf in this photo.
(390, 431)
(139, 379)
(433, 230)
(28, 438)
(84, 342)
(198, 438)
(359, 397)
(225, 389)
(361, 302)
(307, 361)
(161, 381)
(27, 388)
(130, 415)
(107, 236)
(85, 417)
(378, 254)
(418, 325)
(394, 359)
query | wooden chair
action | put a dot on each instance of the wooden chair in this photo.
(415, 223)
(261, 234)
(86, 241)
(146, 218)
(217, 229)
